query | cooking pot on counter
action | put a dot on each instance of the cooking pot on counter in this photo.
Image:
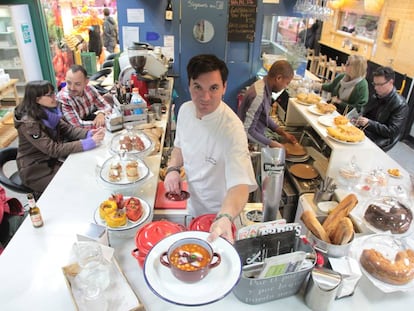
(150, 234)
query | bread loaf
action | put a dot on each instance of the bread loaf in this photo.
(312, 223)
(340, 211)
(399, 272)
(344, 232)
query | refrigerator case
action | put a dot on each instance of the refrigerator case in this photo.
(18, 51)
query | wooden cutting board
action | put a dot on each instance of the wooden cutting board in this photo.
(161, 202)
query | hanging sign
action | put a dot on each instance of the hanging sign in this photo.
(242, 20)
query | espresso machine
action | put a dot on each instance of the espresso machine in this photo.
(138, 54)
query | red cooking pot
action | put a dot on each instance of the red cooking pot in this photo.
(150, 234)
(203, 223)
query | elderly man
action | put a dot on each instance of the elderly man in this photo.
(385, 114)
(81, 104)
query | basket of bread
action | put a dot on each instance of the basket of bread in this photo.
(332, 234)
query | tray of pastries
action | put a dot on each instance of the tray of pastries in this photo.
(133, 142)
(123, 170)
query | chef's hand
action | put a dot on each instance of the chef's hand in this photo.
(291, 138)
(275, 144)
(99, 120)
(172, 182)
(221, 227)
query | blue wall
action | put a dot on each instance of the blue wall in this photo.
(241, 74)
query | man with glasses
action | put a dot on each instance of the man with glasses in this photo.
(385, 114)
(81, 104)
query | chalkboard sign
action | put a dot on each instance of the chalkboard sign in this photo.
(242, 20)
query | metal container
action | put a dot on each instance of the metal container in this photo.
(273, 167)
(321, 289)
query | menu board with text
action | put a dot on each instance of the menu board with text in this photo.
(242, 20)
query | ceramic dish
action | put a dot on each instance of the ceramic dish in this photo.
(215, 286)
(313, 109)
(304, 171)
(184, 195)
(326, 120)
(130, 224)
(388, 246)
(143, 170)
(116, 146)
(346, 142)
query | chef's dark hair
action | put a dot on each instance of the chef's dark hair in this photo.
(205, 63)
(386, 72)
(29, 106)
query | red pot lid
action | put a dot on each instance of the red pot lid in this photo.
(203, 223)
(153, 232)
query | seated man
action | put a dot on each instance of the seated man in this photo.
(81, 104)
(255, 108)
(385, 114)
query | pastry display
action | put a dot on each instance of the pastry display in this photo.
(398, 271)
(346, 133)
(115, 174)
(343, 209)
(131, 169)
(310, 98)
(341, 120)
(392, 217)
(325, 108)
(394, 172)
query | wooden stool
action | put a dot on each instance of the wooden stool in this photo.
(322, 65)
(332, 70)
(313, 59)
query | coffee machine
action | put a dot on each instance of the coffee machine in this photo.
(138, 54)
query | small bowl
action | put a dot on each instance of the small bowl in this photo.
(190, 259)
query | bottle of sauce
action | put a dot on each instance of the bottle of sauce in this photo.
(34, 212)
(169, 11)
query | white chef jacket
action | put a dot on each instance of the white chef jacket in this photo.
(216, 156)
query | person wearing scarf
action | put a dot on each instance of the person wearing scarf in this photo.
(350, 89)
(44, 138)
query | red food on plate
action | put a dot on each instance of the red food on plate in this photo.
(134, 209)
(118, 198)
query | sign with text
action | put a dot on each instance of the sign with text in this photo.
(242, 20)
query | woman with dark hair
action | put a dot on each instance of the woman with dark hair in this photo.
(44, 138)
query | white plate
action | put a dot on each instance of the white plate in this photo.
(302, 103)
(386, 245)
(148, 144)
(346, 142)
(327, 121)
(130, 224)
(143, 170)
(313, 109)
(215, 286)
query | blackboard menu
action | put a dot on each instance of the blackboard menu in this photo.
(242, 20)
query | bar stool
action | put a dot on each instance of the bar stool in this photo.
(313, 59)
(322, 65)
(332, 69)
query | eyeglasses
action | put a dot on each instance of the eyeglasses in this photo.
(380, 84)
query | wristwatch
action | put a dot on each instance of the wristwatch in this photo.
(173, 169)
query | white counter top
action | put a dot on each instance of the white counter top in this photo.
(30, 267)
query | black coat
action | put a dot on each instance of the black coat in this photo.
(387, 117)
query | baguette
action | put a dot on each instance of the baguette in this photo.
(340, 211)
(344, 232)
(312, 223)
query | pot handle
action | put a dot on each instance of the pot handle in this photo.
(135, 253)
(216, 262)
(163, 261)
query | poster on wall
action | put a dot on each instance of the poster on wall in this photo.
(242, 20)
